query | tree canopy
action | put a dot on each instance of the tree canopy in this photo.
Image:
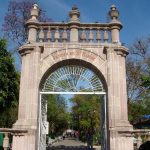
(138, 79)
(57, 116)
(15, 19)
(86, 114)
(9, 86)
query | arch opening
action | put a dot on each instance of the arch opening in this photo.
(78, 77)
(73, 76)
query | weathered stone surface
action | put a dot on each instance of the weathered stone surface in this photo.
(107, 60)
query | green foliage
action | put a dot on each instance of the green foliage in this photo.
(146, 81)
(57, 115)
(9, 86)
(86, 114)
(138, 79)
(135, 110)
(138, 108)
(8, 117)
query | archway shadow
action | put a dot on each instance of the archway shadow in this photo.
(62, 147)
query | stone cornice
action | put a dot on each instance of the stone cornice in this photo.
(18, 132)
(32, 23)
(29, 47)
(116, 25)
(74, 45)
(26, 49)
(119, 49)
(137, 132)
(94, 26)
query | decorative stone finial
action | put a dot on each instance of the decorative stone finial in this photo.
(74, 7)
(113, 13)
(74, 14)
(35, 12)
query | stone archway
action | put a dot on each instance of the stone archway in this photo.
(51, 44)
(72, 77)
(71, 61)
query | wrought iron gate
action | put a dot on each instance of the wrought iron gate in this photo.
(69, 79)
(43, 124)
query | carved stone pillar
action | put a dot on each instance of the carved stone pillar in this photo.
(115, 24)
(74, 22)
(113, 87)
(6, 141)
(121, 53)
(28, 99)
(117, 99)
(32, 24)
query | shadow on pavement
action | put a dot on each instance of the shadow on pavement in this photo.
(68, 144)
(62, 147)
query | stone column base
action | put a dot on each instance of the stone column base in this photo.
(27, 141)
(121, 140)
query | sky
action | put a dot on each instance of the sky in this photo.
(134, 14)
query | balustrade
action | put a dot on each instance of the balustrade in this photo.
(94, 35)
(139, 136)
(74, 30)
(8, 136)
(53, 34)
(60, 34)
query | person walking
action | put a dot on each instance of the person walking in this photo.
(89, 137)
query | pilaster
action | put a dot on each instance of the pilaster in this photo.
(28, 98)
(113, 87)
(117, 98)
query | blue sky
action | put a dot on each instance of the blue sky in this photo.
(134, 14)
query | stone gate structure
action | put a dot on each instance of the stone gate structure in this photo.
(95, 46)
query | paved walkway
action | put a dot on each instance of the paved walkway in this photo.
(69, 144)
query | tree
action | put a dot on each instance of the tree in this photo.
(138, 79)
(57, 115)
(137, 67)
(9, 87)
(86, 113)
(15, 19)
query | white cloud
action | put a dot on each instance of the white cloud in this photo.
(60, 5)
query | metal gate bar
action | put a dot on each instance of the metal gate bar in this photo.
(73, 93)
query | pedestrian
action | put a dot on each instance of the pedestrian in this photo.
(64, 135)
(89, 137)
(77, 135)
(146, 145)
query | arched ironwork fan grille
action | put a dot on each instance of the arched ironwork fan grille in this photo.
(73, 79)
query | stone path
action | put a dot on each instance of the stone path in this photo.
(69, 144)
